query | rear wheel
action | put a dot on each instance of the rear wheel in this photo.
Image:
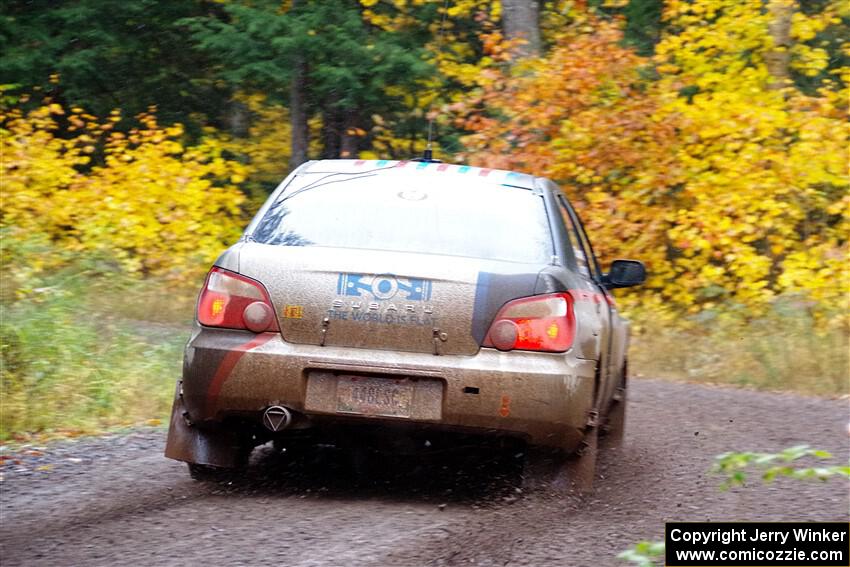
(548, 470)
(360, 463)
(206, 473)
(239, 447)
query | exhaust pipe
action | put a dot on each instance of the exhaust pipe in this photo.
(277, 418)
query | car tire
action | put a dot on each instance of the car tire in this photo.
(561, 473)
(209, 473)
(359, 461)
(206, 473)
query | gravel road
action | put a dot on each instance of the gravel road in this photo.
(116, 500)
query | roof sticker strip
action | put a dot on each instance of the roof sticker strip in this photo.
(512, 179)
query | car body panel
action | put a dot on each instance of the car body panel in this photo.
(381, 299)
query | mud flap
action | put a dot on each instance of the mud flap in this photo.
(199, 446)
(579, 470)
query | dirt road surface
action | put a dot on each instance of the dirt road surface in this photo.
(117, 501)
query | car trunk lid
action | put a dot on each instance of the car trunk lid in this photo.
(381, 299)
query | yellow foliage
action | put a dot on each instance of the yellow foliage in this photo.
(732, 191)
(151, 204)
(759, 169)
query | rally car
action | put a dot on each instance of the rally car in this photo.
(401, 301)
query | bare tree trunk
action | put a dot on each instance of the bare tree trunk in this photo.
(237, 118)
(331, 129)
(300, 142)
(339, 139)
(349, 144)
(298, 117)
(521, 20)
(778, 59)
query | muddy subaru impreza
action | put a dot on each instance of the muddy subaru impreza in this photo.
(397, 303)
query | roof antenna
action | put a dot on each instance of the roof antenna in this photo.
(428, 154)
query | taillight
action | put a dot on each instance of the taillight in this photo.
(235, 302)
(542, 322)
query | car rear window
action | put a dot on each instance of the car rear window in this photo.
(430, 214)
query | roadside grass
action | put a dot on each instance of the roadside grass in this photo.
(89, 350)
(787, 349)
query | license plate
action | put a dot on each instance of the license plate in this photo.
(374, 396)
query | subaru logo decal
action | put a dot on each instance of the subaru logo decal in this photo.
(384, 286)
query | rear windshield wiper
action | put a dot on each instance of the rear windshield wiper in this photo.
(321, 181)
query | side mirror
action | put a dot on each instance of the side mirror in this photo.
(624, 273)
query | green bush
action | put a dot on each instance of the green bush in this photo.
(87, 348)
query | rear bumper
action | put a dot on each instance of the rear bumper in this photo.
(543, 398)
